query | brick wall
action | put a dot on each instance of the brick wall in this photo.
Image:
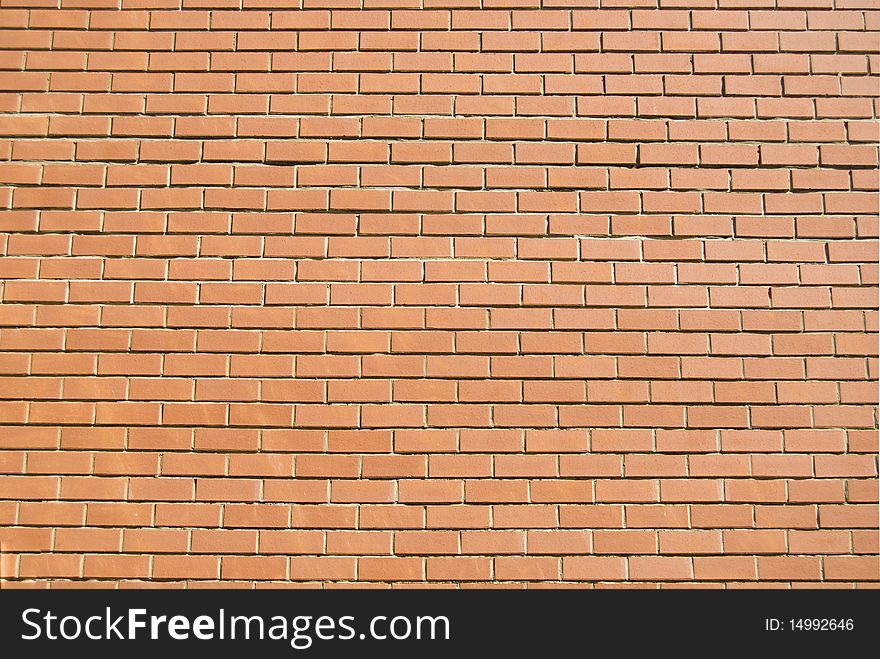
(438, 292)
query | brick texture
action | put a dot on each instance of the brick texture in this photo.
(438, 292)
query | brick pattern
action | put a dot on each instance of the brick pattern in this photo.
(416, 292)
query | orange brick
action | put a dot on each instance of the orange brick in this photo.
(439, 297)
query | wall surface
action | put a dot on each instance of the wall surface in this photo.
(404, 292)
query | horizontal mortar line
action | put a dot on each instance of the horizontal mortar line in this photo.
(438, 428)
(450, 211)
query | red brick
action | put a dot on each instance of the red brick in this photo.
(562, 294)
